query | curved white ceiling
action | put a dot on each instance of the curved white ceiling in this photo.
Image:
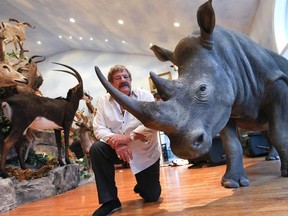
(145, 22)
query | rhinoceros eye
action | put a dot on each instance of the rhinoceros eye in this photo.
(202, 92)
(202, 88)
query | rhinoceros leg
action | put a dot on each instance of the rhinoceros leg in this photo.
(281, 145)
(235, 175)
(278, 121)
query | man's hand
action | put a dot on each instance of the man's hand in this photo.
(124, 153)
(118, 139)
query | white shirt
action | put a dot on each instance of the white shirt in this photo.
(109, 120)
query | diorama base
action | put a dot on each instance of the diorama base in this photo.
(59, 180)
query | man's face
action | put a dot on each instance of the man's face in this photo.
(122, 82)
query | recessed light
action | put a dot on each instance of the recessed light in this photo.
(70, 37)
(106, 40)
(121, 22)
(176, 24)
(60, 36)
(72, 20)
(38, 42)
(123, 41)
(150, 44)
(91, 38)
(80, 38)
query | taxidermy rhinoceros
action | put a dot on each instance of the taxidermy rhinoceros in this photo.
(224, 78)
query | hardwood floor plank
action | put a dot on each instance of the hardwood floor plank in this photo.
(184, 192)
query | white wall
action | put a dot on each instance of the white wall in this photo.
(262, 30)
(57, 84)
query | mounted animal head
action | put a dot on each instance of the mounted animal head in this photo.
(10, 77)
(30, 70)
(14, 33)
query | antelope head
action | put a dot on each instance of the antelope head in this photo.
(9, 76)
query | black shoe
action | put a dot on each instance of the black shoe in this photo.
(136, 189)
(108, 208)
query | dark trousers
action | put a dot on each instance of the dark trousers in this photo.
(103, 158)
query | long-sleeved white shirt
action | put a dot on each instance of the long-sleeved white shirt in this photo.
(109, 120)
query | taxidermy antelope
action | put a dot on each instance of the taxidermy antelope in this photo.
(35, 80)
(85, 139)
(28, 110)
(15, 34)
(30, 70)
(84, 123)
(33, 77)
(8, 75)
(85, 130)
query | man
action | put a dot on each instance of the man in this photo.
(123, 138)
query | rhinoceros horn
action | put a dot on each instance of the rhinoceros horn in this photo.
(147, 112)
(164, 87)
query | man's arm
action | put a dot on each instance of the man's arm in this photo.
(145, 132)
(100, 129)
(120, 139)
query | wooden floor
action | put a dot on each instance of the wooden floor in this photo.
(184, 192)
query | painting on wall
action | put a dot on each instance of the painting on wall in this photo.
(165, 75)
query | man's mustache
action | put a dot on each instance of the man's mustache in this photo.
(124, 84)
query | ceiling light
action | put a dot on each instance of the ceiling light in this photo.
(72, 20)
(91, 38)
(121, 22)
(106, 40)
(80, 38)
(150, 44)
(123, 41)
(38, 42)
(70, 37)
(176, 24)
(60, 36)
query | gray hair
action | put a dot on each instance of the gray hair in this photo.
(117, 68)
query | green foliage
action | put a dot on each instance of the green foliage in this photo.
(84, 168)
(37, 160)
(14, 55)
(4, 124)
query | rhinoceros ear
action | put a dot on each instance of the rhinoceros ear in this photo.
(206, 22)
(161, 53)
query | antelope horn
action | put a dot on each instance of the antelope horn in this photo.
(76, 75)
(28, 24)
(2, 53)
(12, 19)
(36, 56)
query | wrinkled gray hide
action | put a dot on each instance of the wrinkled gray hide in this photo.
(225, 80)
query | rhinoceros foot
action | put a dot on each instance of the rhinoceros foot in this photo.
(230, 183)
(272, 155)
(284, 173)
